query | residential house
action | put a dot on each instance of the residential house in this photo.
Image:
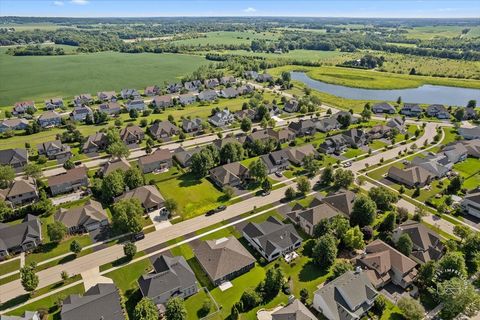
(27, 315)
(107, 96)
(187, 98)
(228, 93)
(21, 108)
(222, 118)
(230, 174)
(88, 217)
(379, 131)
(211, 83)
(228, 80)
(272, 238)
(297, 154)
(110, 108)
(470, 133)
(158, 160)
(397, 123)
(283, 135)
(355, 138)
(151, 91)
(223, 259)
(20, 237)
(411, 110)
(192, 125)
(334, 144)
(291, 106)
(207, 95)
(163, 130)
(83, 99)
(385, 264)
(457, 151)
(113, 165)
(341, 200)
(308, 218)
(470, 114)
(171, 277)
(184, 156)
(54, 150)
(20, 192)
(262, 135)
(174, 87)
(349, 296)
(471, 204)
(164, 101)
(149, 197)
(303, 127)
(132, 135)
(250, 74)
(438, 111)
(275, 161)
(412, 177)
(81, 113)
(193, 85)
(101, 301)
(245, 89)
(220, 143)
(16, 158)
(327, 124)
(53, 103)
(136, 104)
(353, 118)
(13, 124)
(244, 114)
(439, 165)
(383, 107)
(129, 94)
(71, 180)
(264, 77)
(427, 244)
(95, 143)
(49, 119)
(294, 310)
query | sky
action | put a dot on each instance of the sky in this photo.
(309, 8)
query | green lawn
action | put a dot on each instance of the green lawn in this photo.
(469, 170)
(377, 144)
(352, 153)
(9, 266)
(194, 305)
(226, 38)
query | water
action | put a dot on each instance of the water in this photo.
(427, 94)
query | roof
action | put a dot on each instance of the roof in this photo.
(90, 212)
(100, 302)
(296, 154)
(156, 156)
(71, 175)
(95, 139)
(8, 156)
(170, 274)
(114, 165)
(293, 311)
(163, 126)
(342, 200)
(411, 176)
(383, 106)
(320, 212)
(475, 132)
(271, 159)
(28, 315)
(15, 235)
(134, 131)
(221, 257)
(13, 122)
(19, 187)
(229, 172)
(50, 114)
(149, 196)
(109, 106)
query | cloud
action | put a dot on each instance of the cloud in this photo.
(250, 10)
(58, 3)
(79, 2)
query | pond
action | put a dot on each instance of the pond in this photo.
(426, 94)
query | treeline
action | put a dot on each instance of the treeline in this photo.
(36, 51)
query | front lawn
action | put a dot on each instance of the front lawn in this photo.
(352, 153)
(469, 170)
(9, 266)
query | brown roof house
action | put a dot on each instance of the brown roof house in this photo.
(20, 192)
(158, 160)
(308, 218)
(223, 259)
(230, 174)
(113, 165)
(95, 143)
(13, 124)
(297, 154)
(16, 158)
(386, 264)
(20, 237)
(342, 200)
(184, 156)
(89, 217)
(132, 135)
(149, 197)
(21, 108)
(294, 310)
(69, 181)
(107, 95)
(163, 130)
(412, 177)
(282, 135)
(163, 101)
(54, 150)
(151, 90)
(110, 108)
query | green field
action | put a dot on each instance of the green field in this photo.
(469, 170)
(226, 38)
(431, 32)
(44, 77)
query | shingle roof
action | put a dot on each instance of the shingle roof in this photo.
(317, 213)
(20, 187)
(294, 311)
(427, 244)
(8, 156)
(411, 175)
(15, 235)
(69, 176)
(90, 212)
(156, 156)
(229, 172)
(149, 196)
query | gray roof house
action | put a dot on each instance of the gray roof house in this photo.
(158, 160)
(230, 174)
(223, 259)
(113, 165)
(129, 94)
(132, 134)
(149, 197)
(228, 80)
(101, 301)
(172, 277)
(245, 89)
(163, 101)
(192, 125)
(264, 77)
(437, 165)
(272, 238)
(383, 107)
(53, 103)
(193, 85)
(90, 216)
(355, 137)
(27, 315)
(327, 124)
(438, 111)
(49, 119)
(342, 200)
(136, 104)
(457, 151)
(275, 161)
(303, 127)
(71, 180)
(16, 158)
(471, 204)
(80, 113)
(106, 95)
(348, 297)
(80, 100)
(411, 109)
(163, 129)
(333, 144)
(174, 87)
(250, 74)
(151, 91)
(54, 150)
(211, 83)
(95, 143)
(470, 133)
(110, 108)
(183, 156)
(21, 108)
(20, 192)
(411, 177)
(294, 310)
(222, 118)
(308, 218)
(20, 237)
(228, 93)
(297, 154)
(398, 123)
(207, 95)
(291, 106)
(13, 124)
(187, 98)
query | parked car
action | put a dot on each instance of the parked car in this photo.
(138, 236)
(265, 193)
(278, 174)
(221, 208)
(210, 212)
(347, 164)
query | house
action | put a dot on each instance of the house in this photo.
(438, 111)
(439, 165)
(21, 108)
(275, 161)
(283, 135)
(291, 106)
(151, 91)
(53, 103)
(163, 129)
(113, 165)
(211, 83)
(228, 80)
(187, 98)
(220, 143)
(349, 296)
(16, 158)
(456, 151)
(470, 114)
(341, 200)
(412, 177)
(158, 160)
(183, 156)
(193, 85)
(303, 127)
(71, 180)
(192, 125)
(262, 135)
(379, 131)
(297, 154)
(245, 89)
(385, 264)
(230, 174)
(171, 277)
(83, 99)
(228, 93)
(245, 114)
(107, 95)
(95, 143)
(397, 123)
(49, 119)
(411, 110)
(207, 95)
(81, 113)
(272, 238)
(129, 94)
(471, 204)
(136, 104)
(164, 101)
(308, 218)
(110, 108)
(20, 192)
(355, 137)
(132, 134)
(294, 310)
(149, 197)
(174, 87)
(89, 217)
(223, 259)
(250, 74)
(264, 77)
(470, 133)
(54, 150)
(222, 118)
(274, 110)
(27, 315)
(13, 124)
(101, 301)
(20, 237)
(383, 107)
(327, 124)
(343, 114)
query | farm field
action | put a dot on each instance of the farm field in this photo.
(227, 38)
(431, 32)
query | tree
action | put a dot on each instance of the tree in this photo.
(472, 104)
(366, 113)
(462, 231)
(311, 165)
(325, 251)
(28, 277)
(340, 267)
(343, 178)
(145, 310)
(273, 282)
(56, 231)
(133, 113)
(388, 224)
(75, 247)
(231, 152)
(353, 238)
(411, 308)
(458, 296)
(380, 304)
(290, 193)
(257, 170)
(427, 273)
(33, 170)
(228, 192)
(471, 250)
(363, 212)
(266, 185)
(118, 150)
(175, 309)
(383, 198)
(130, 250)
(455, 185)
(405, 244)
(234, 312)
(112, 185)
(303, 185)
(7, 174)
(452, 261)
(344, 120)
(304, 295)
(171, 205)
(64, 275)
(250, 299)
(459, 114)
(134, 178)
(327, 175)
(127, 216)
(68, 165)
(246, 125)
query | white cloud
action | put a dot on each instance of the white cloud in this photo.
(79, 2)
(250, 10)
(58, 3)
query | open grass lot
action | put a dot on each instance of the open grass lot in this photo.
(39, 78)
(431, 32)
(469, 170)
(227, 38)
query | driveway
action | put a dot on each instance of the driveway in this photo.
(92, 277)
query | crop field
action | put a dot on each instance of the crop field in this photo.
(33, 26)
(227, 38)
(430, 32)
(44, 77)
